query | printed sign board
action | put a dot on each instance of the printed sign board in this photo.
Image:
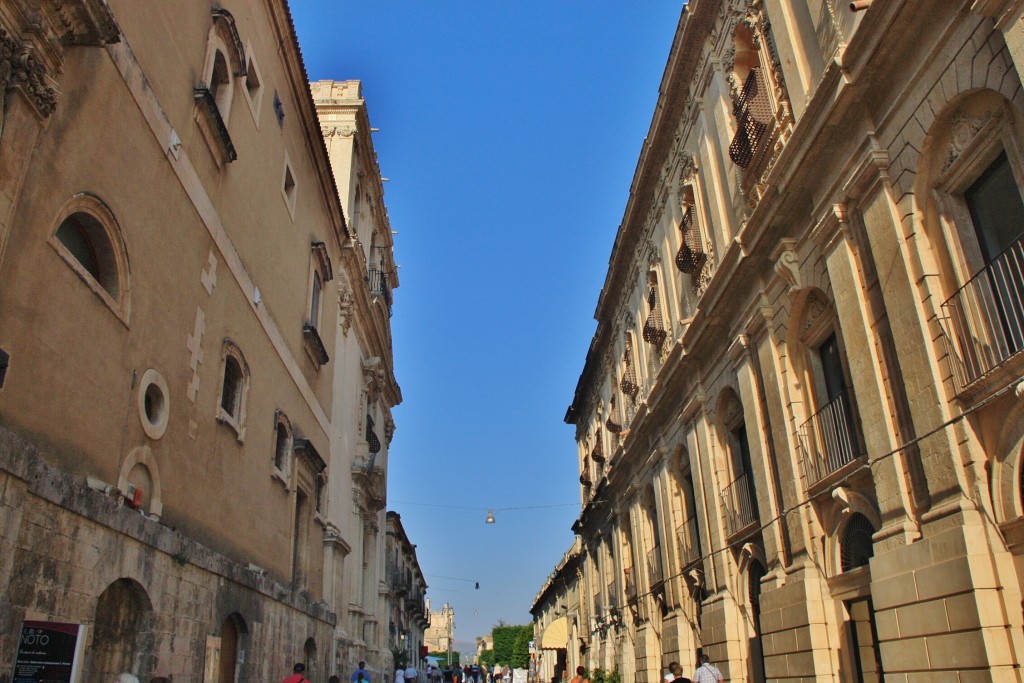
(48, 652)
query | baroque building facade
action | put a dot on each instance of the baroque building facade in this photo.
(799, 422)
(364, 382)
(440, 635)
(408, 615)
(195, 373)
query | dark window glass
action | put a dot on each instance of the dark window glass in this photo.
(996, 208)
(229, 398)
(281, 449)
(831, 368)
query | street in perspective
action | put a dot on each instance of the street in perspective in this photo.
(454, 342)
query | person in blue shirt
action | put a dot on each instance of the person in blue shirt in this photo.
(361, 670)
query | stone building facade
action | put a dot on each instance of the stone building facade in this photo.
(408, 617)
(190, 354)
(799, 423)
(440, 635)
(365, 389)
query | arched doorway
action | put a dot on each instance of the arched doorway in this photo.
(122, 634)
(233, 634)
(312, 670)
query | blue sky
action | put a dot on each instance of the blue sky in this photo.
(509, 132)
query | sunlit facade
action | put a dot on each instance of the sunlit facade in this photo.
(196, 378)
(800, 420)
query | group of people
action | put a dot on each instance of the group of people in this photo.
(706, 672)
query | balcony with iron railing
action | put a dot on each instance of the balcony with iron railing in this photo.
(983, 321)
(630, 583)
(380, 285)
(655, 572)
(753, 112)
(740, 503)
(829, 439)
(689, 542)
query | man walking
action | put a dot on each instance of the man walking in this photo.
(360, 670)
(298, 674)
(706, 672)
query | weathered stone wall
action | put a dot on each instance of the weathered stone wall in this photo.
(62, 544)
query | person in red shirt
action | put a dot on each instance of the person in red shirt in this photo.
(298, 675)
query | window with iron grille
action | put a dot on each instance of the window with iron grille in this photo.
(614, 422)
(856, 547)
(371, 436)
(691, 257)
(753, 112)
(629, 384)
(654, 327)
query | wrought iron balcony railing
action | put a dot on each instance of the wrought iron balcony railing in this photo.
(655, 573)
(689, 542)
(380, 285)
(740, 503)
(753, 111)
(829, 439)
(984, 320)
(691, 256)
(208, 106)
(630, 583)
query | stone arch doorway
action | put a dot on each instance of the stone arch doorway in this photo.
(309, 649)
(233, 636)
(123, 637)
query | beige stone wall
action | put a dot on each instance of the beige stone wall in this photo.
(210, 226)
(64, 544)
(825, 536)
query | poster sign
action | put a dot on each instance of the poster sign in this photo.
(48, 652)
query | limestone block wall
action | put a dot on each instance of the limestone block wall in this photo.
(69, 553)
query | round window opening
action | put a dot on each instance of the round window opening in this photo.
(154, 404)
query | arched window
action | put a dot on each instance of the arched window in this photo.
(830, 435)
(740, 494)
(283, 442)
(88, 238)
(234, 388)
(969, 182)
(856, 547)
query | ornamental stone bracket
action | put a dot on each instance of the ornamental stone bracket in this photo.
(33, 41)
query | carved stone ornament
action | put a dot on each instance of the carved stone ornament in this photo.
(346, 303)
(787, 266)
(389, 430)
(329, 131)
(963, 131)
(373, 378)
(687, 168)
(815, 307)
(19, 69)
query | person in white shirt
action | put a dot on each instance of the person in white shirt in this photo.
(707, 672)
(669, 676)
(399, 675)
(410, 674)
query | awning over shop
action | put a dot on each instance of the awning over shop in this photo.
(556, 635)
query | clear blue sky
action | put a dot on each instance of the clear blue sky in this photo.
(510, 132)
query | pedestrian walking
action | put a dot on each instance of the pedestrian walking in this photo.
(581, 676)
(361, 669)
(399, 673)
(677, 673)
(298, 674)
(669, 676)
(706, 672)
